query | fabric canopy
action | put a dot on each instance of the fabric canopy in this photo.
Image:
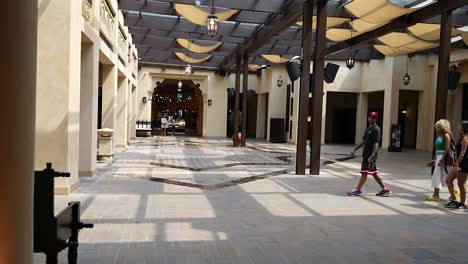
(254, 67)
(331, 21)
(397, 40)
(429, 32)
(197, 48)
(363, 26)
(397, 44)
(376, 11)
(389, 51)
(339, 34)
(414, 47)
(199, 16)
(192, 60)
(275, 58)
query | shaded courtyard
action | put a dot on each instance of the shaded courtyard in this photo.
(151, 206)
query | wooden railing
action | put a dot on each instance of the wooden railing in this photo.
(107, 21)
(87, 10)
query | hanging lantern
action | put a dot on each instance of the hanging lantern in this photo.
(179, 96)
(406, 79)
(212, 23)
(188, 69)
(350, 62)
(179, 84)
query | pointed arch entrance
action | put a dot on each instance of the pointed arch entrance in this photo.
(185, 104)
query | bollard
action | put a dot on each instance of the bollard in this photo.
(53, 234)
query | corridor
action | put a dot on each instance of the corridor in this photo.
(193, 200)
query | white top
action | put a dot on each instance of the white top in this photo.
(163, 120)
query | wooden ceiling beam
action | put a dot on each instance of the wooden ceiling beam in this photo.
(277, 24)
(400, 23)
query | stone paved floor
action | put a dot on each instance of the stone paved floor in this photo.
(246, 206)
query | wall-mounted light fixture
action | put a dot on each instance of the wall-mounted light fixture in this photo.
(188, 69)
(404, 110)
(209, 102)
(279, 82)
(406, 79)
(145, 99)
(350, 62)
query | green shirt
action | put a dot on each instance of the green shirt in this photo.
(440, 145)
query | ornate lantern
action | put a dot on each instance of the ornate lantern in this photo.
(406, 79)
(212, 23)
(350, 62)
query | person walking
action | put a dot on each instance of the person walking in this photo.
(442, 153)
(460, 167)
(370, 144)
(164, 125)
(172, 120)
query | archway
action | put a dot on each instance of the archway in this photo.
(184, 104)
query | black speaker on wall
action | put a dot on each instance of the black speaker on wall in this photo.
(453, 79)
(222, 73)
(294, 70)
(331, 70)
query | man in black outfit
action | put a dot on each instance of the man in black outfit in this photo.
(370, 146)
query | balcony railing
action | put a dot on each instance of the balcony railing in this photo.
(107, 21)
(122, 47)
(87, 10)
(134, 66)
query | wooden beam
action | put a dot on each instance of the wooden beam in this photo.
(236, 100)
(301, 147)
(399, 23)
(443, 67)
(277, 24)
(317, 103)
(245, 81)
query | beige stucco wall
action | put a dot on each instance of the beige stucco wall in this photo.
(58, 89)
(384, 75)
(214, 87)
(65, 78)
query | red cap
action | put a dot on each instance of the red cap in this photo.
(374, 115)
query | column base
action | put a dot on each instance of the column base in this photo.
(66, 190)
(102, 158)
(87, 173)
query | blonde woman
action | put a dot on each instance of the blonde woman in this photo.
(442, 151)
(460, 168)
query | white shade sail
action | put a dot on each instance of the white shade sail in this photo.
(192, 60)
(199, 16)
(376, 11)
(187, 44)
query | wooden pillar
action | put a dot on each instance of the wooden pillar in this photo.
(317, 103)
(443, 69)
(304, 90)
(245, 81)
(236, 101)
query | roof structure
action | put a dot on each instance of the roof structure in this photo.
(173, 33)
